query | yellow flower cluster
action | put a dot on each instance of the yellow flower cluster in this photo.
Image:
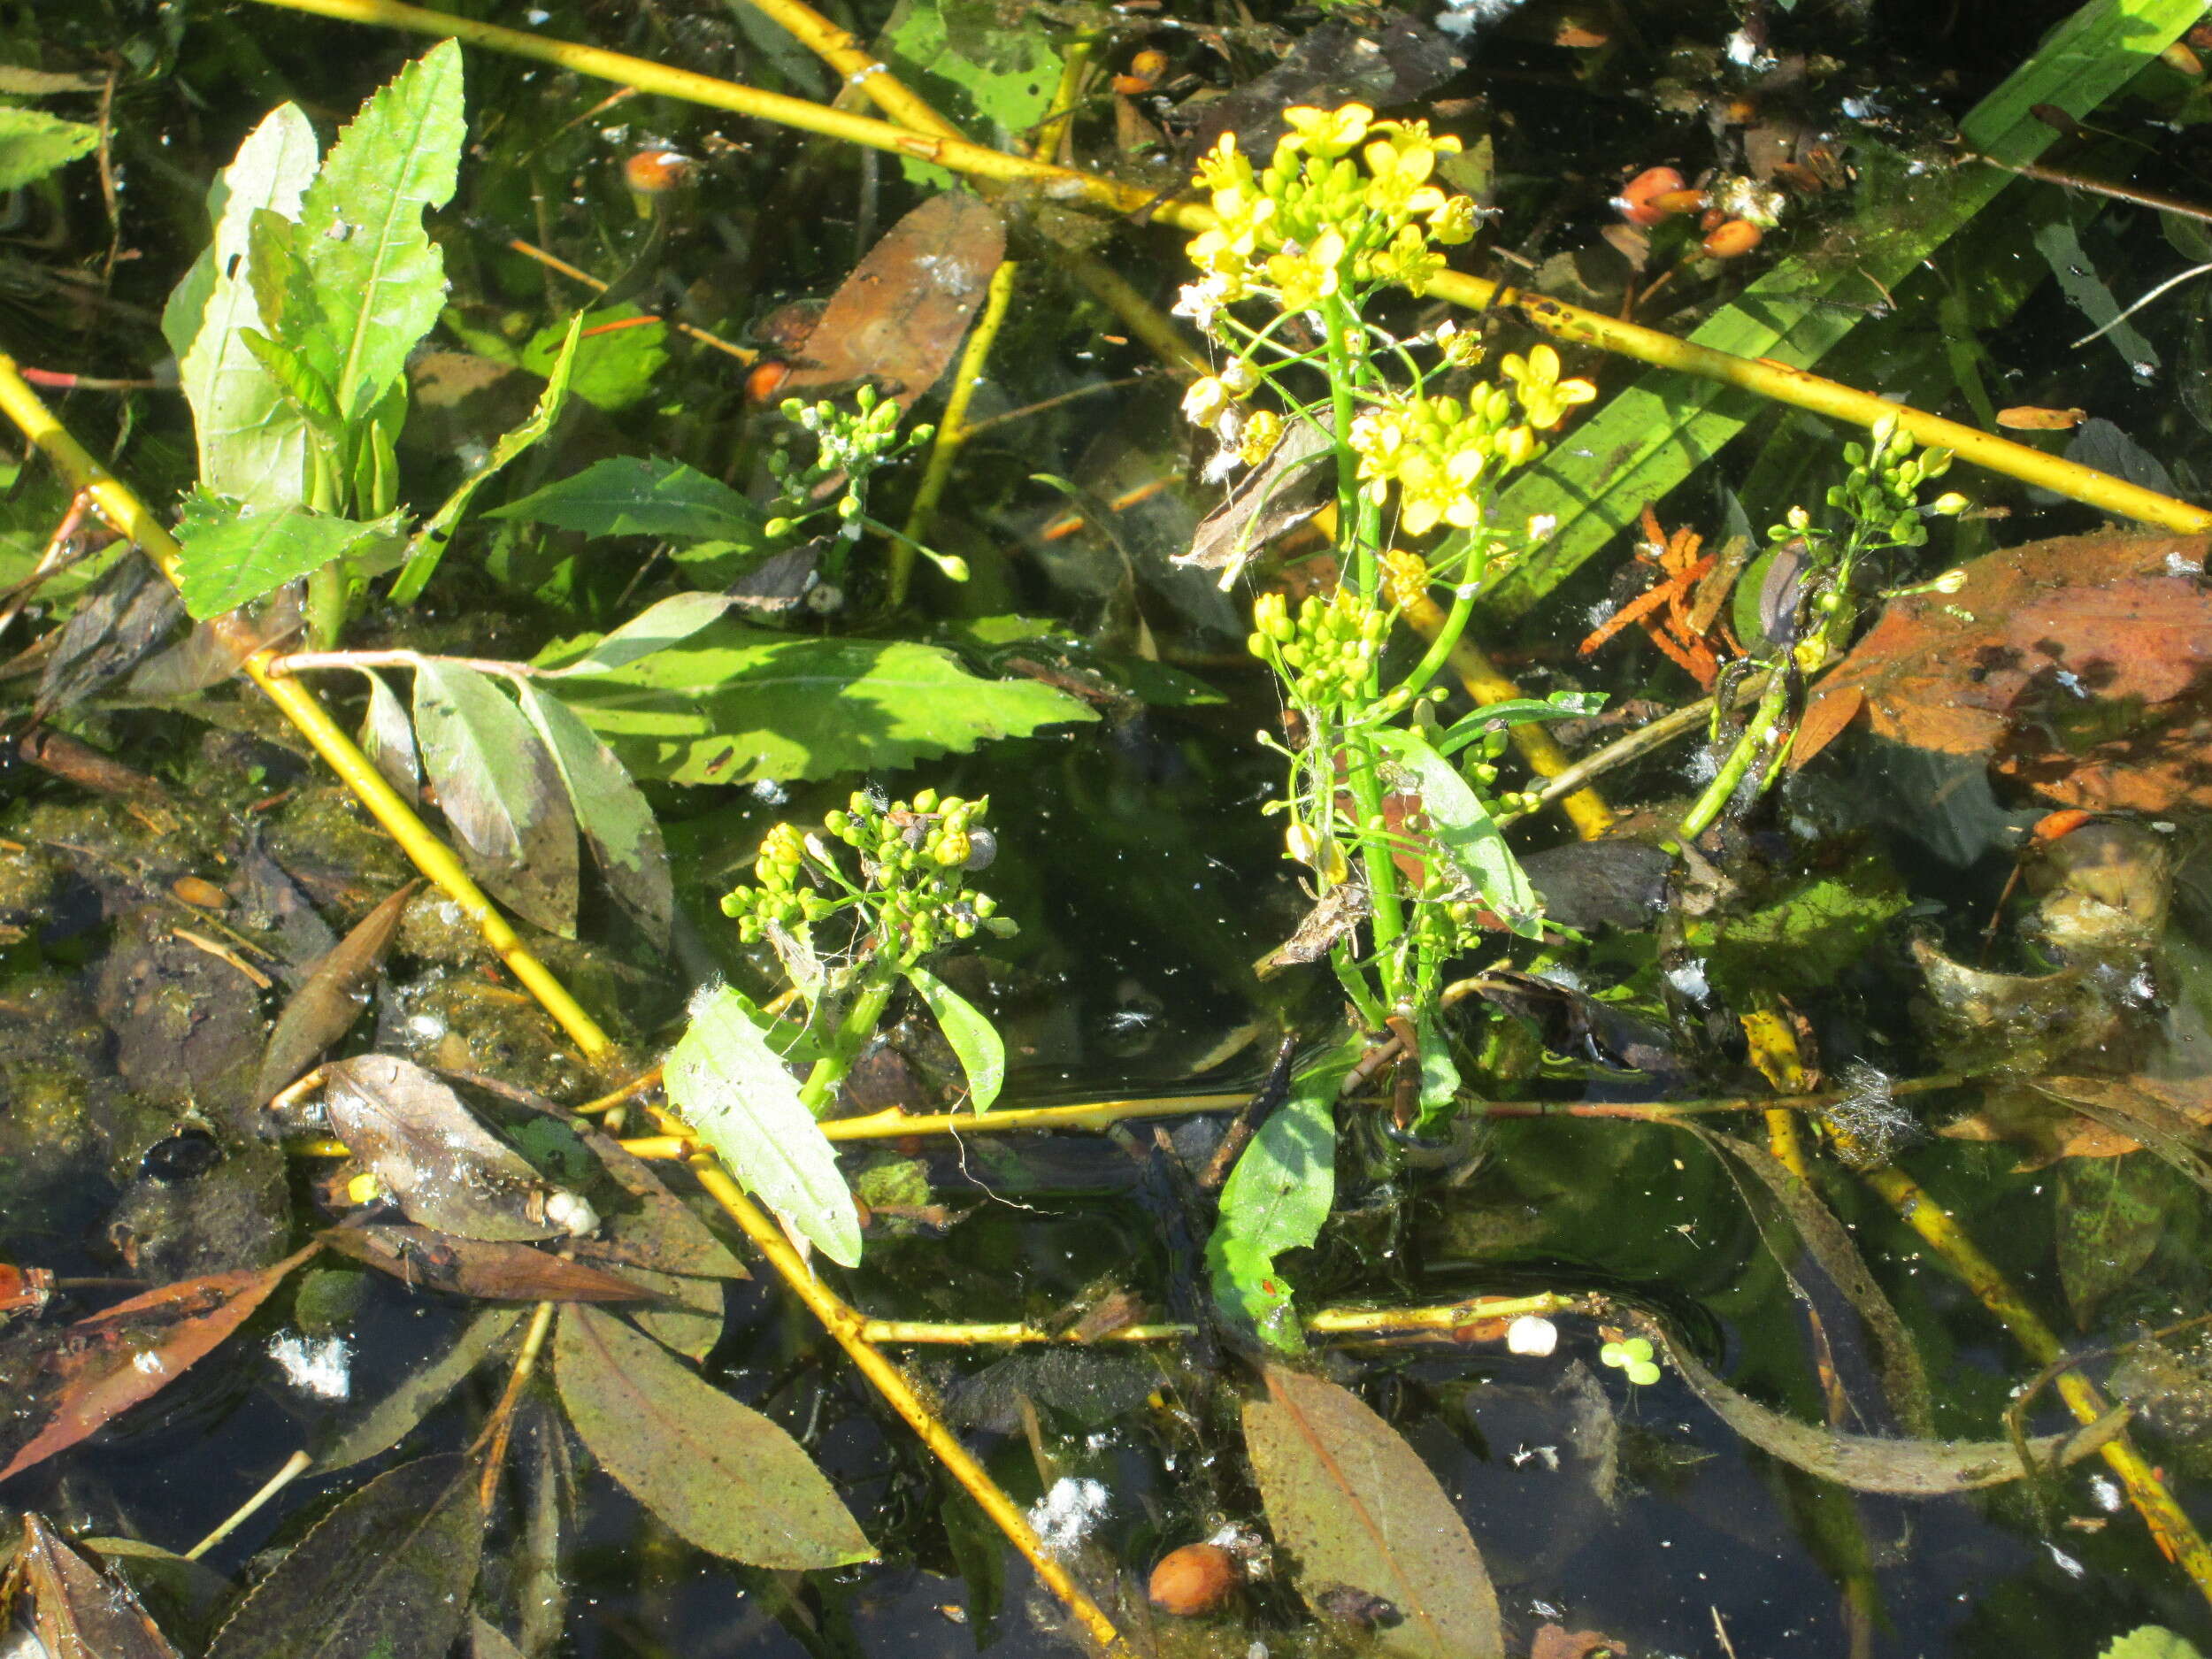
(1312, 223)
(1438, 452)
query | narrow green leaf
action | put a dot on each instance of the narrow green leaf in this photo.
(1462, 826)
(429, 544)
(734, 704)
(2060, 244)
(379, 279)
(614, 368)
(388, 738)
(618, 824)
(392, 1418)
(1564, 705)
(723, 1476)
(631, 495)
(973, 1038)
(500, 791)
(731, 1086)
(232, 557)
(665, 623)
(252, 445)
(34, 144)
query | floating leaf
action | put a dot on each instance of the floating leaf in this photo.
(486, 1268)
(379, 279)
(500, 792)
(330, 998)
(79, 1612)
(633, 494)
(2078, 665)
(252, 443)
(391, 1419)
(898, 319)
(232, 555)
(447, 1171)
(34, 144)
(735, 704)
(973, 1038)
(389, 1572)
(1358, 1510)
(733, 1088)
(722, 1476)
(109, 1361)
(618, 825)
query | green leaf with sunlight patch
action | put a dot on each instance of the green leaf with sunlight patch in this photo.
(960, 56)
(613, 369)
(1600, 474)
(730, 1086)
(2151, 1641)
(1462, 825)
(733, 704)
(618, 824)
(231, 557)
(33, 143)
(380, 281)
(631, 495)
(973, 1038)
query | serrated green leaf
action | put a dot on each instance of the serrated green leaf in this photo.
(618, 824)
(722, 1476)
(1650, 437)
(631, 495)
(500, 793)
(2151, 1641)
(379, 279)
(33, 143)
(968, 63)
(982, 1053)
(614, 368)
(1462, 826)
(733, 704)
(731, 1086)
(252, 445)
(231, 557)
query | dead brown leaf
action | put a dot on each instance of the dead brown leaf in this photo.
(1556, 1641)
(2055, 1117)
(2081, 666)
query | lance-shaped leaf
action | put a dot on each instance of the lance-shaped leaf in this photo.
(1462, 825)
(428, 1151)
(389, 1572)
(109, 1361)
(252, 443)
(77, 1610)
(379, 280)
(324, 1007)
(650, 1227)
(732, 1087)
(636, 495)
(486, 1268)
(665, 623)
(233, 556)
(722, 1476)
(391, 1419)
(973, 1038)
(388, 738)
(500, 791)
(619, 826)
(1359, 1510)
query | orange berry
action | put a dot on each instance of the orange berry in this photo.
(1635, 199)
(199, 891)
(765, 380)
(1736, 236)
(1668, 202)
(1196, 1579)
(656, 171)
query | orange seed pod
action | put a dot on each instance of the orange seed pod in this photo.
(1635, 201)
(655, 171)
(765, 380)
(1736, 236)
(1195, 1579)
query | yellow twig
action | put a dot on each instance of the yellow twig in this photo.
(952, 429)
(125, 513)
(1341, 1323)
(849, 1330)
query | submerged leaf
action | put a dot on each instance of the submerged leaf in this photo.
(80, 1613)
(721, 1474)
(324, 1007)
(636, 495)
(731, 1086)
(617, 824)
(33, 143)
(2111, 1214)
(391, 1419)
(500, 792)
(389, 1572)
(1359, 1510)
(489, 1270)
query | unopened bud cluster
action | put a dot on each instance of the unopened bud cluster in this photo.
(1328, 654)
(915, 858)
(854, 442)
(1880, 497)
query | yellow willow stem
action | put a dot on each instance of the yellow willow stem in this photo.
(125, 513)
(1762, 376)
(848, 1329)
(1407, 585)
(2171, 1527)
(1342, 1323)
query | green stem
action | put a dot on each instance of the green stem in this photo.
(851, 1035)
(1756, 736)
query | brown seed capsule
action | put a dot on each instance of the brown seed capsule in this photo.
(655, 172)
(1736, 236)
(204, 894)
(1635, 199)
(1195, 1579)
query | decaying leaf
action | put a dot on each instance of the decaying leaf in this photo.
(487, 1269)
(109, 634)
(723, 1476)
(618, 825)
(1281, 493)
(86, 1372)
(1360, 1510)
(2081, 666)
(2055, 1118)
(2110, 1213)
(899, 318)
(332, 998)
(388, 1572)
(1340, 912)
(447, 1171)
(2019, 1021)
(80, 1613)
(658, 1231)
